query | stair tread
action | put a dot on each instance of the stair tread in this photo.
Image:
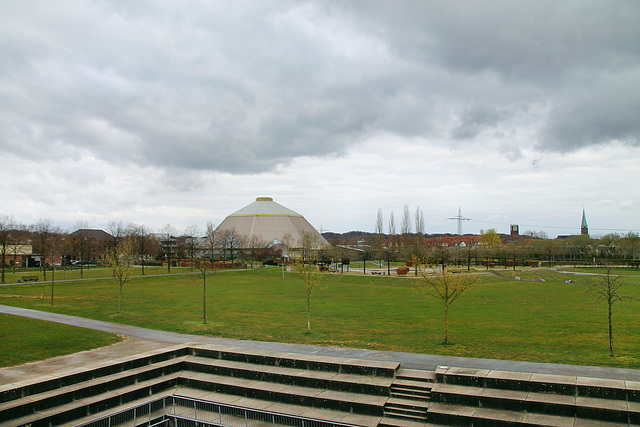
(390, 367)
(551, 398)
(411, 396)
(281, 408)
(416, 375)
(417, 413)
(287, 388)
(27, 419)
(297, 372)
(85, 384)
(404, 422)
(410, 392)
(408, 402)
(514, 416)
(412, 383)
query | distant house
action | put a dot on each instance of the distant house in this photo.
(452, 241)
(87, 245)
(19, 256)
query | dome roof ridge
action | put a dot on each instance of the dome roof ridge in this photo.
(265, 206)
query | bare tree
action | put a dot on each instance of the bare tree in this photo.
(405, 228)
(445, 286)
(204, 268)
(309, 244)
(117, 231)
(310, 277)
(392, 224)
(211, 239)
(608, 290)
(255, 244)
(420, 222)
(42, 237)
(229, 243)
(81, 243)
(7, 228)
(380, 223)
(140, 235)
(192, 242)
(120, 261)
(168, 242)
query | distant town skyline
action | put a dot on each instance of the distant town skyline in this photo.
(164, 112)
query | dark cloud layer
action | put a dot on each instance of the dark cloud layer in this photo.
(242, 87)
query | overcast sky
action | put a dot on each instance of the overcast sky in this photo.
(182, 112)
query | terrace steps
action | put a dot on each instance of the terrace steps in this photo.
(328, 387)
(483, 397)
(357, 392)
(410, 395)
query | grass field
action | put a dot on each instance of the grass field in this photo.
(27, 340)
(501, 318)
(87, 273)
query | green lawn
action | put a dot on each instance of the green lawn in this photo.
(549, 321)
(26, 340)
(87, 273)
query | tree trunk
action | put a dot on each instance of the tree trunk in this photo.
(120, 298)
(308, 314)
(446, 324)
(204, 300)
(52, 283)
(610, 333)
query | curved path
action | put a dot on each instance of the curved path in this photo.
(408, 360)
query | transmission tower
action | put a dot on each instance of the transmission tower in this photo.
(459, 218)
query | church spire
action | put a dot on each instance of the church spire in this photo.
(584, 228)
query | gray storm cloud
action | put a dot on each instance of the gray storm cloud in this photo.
(245, 87)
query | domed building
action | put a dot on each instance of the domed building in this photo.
(272, 225)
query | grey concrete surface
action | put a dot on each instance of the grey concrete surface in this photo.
(155, 339)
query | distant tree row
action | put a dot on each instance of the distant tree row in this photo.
(53, 247)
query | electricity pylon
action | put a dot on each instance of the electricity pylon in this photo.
(459, 218)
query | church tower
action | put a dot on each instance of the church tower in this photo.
(584, 228)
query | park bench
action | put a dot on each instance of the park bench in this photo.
(28, 279)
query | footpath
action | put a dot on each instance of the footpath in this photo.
(142, 339)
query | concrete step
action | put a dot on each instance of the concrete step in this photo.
(541, 403)
(71, 411)
(413, 414)
(21, 389)
(402, 422)
(41, 401)
(416, 375)
(281, 408)
(406, 403)
(412, 384)
(299, 361)
(541, 383)
(449, 414)
(411, 395)
(364, 384)
(291, 394)
(414, 410)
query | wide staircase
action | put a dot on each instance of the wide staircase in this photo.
(345, 391)
(335, 390)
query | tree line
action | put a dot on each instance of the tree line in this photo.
(52, 246)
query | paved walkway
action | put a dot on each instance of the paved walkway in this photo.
(146, 339)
